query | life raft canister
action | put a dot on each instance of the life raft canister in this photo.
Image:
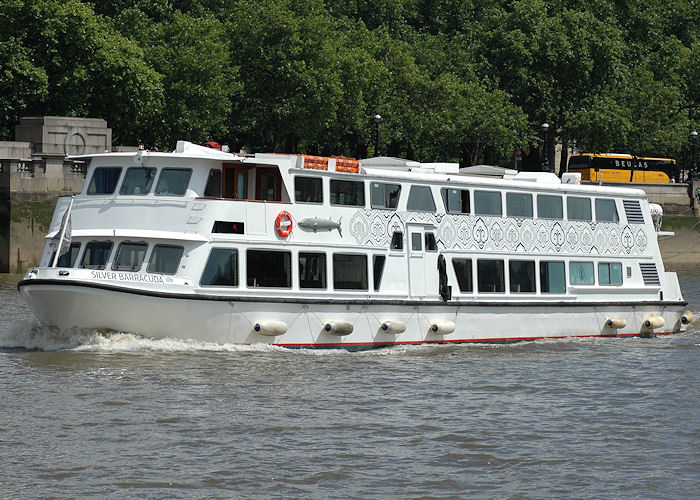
(284, 224)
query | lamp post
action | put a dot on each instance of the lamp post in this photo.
(377, 120)
(545, 156)
(694, 174)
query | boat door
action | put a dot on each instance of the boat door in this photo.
(423, 279)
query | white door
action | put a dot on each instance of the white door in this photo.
(423, 279)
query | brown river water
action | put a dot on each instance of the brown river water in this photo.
(127, 417)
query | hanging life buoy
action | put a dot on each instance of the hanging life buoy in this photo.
(284, 224)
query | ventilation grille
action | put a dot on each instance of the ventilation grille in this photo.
(633, 211)
(651, 277)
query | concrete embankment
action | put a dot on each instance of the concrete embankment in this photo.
(681, 251)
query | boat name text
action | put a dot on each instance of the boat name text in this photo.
(145, 278)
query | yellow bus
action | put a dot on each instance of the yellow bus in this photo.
(613, 167)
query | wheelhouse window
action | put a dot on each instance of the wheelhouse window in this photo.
(384, 195)
(312, 270)
(347, 193)
(420, 199)
(104, 180)
(610, 273)
(67, 259)
(578, 208)
(605, 210)
(349, 271)
(463, 272)
(269, 268)
(581, 273)
(138, 181)
(456, 200)
(173, 181)
(550, 207)
(165, 259)
(213, 187)
(96, 255)
(129, 256)
(487, 203)
(221, 268)
(490, 275)
(522, 276)
(552, 277)
(519, 205)
(378, 268)
(308, 189)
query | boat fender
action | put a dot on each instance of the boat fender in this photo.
(442, 327)
(338, 328)
(687, 317)
(284, 224)
(615, 323)
(393, 326)
(270, 327)
(652, 322)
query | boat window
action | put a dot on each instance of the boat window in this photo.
(487, 203)
(268, 184)
(610, 273)
(463, 272)
(96, 254)
(552, 277)
(519, 204)
(173, 181)
(308, 189)
(228, 227)
(490, 275)
(397, 240)
(384, 195)
(605, 210)
(129, 256)
(104, 180)
(165, 259)
(67, 259)
(213, 187)
(430, 243)
(138, 180)
(378, 268)
(416, 242)
(420, 199)
(578, 208)
(456, 200)
(522, 276)
(312, 270)
(549, 207)
(349, 193)
(221, 268)
(581, 273)
(269, 268)
(349, 271)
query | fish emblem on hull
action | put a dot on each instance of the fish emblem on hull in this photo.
(318, 224)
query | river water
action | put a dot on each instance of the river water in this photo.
(126, 417)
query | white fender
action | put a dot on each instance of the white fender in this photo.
(687, 317)
(393, 326)
(338, 328)
(270, 327)
(653, 322)
(442, 327)
(616, 323)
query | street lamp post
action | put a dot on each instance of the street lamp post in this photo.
(694, 174)
(545, 156)
(377, 121)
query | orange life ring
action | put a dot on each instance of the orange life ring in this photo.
(284, 224)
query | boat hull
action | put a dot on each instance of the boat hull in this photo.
(313, 323)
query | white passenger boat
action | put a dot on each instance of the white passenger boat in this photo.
(303, 251)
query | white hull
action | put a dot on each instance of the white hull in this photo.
(220, 320)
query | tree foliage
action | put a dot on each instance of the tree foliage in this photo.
(454, 80)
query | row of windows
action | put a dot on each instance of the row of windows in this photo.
(130, 256)
(140, 181)
(490, 275)
(457, 201)
(270, 268)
